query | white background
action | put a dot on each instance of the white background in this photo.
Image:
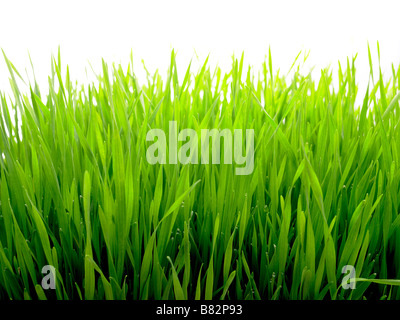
(91, 30)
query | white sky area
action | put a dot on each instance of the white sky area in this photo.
(91, 30)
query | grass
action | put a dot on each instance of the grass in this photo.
(77, 192)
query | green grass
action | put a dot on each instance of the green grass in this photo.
(78, 193)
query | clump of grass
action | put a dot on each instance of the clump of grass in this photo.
(77, 192)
